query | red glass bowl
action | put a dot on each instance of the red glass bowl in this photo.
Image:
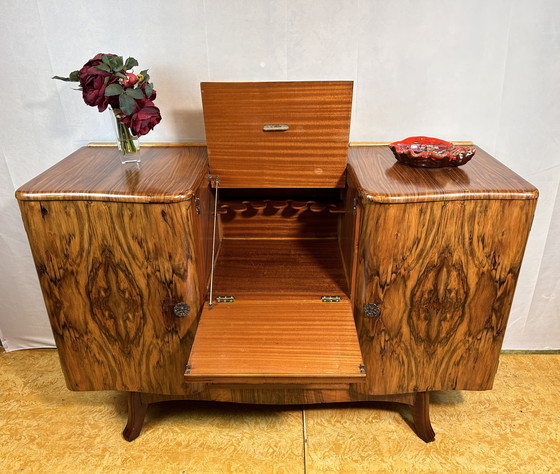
(427, 152)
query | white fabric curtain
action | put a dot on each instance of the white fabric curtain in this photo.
(465, 70)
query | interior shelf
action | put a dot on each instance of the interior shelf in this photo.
(310, 267)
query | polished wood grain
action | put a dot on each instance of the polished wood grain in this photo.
(382, 179)
(291, 341)
(149, 144)
(111, 274)
(443, 275)
(96, 174)
(311, 154)
(311, 268)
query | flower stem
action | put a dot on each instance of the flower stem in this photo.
(126, 139)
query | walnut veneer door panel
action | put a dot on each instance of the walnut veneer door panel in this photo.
(111, 274)
(443, 275)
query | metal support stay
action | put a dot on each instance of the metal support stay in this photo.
(216, 187)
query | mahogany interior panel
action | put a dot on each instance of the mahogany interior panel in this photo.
(310, 267)
(276, 341)
(311, 153)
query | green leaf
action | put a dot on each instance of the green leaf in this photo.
(113, 89)
(75, 76)
(65, 79)
(130, 63)
(134, 93)
(126, 104)
(145, 74)
(103, 67)
(105, 59)
(120, 74)
(149, 89)
(116, 63)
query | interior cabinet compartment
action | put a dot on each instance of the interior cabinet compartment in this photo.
(280, 309)
(280, 268)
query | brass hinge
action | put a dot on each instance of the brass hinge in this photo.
(225, 299)
(362, 369)
(188, 368)
(330, 299)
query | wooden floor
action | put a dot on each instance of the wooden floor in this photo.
(45, 428)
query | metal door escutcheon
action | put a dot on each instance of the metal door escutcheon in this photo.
(371, 310)
(181, 310)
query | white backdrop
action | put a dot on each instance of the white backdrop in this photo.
(480, 70)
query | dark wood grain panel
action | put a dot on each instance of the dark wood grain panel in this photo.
(96, 174)
(311, 268)
(272, 341)
(382, 179)
(110, 275)
(443, 275)
(311, 154)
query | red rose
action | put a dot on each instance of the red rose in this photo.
(152, 95)
(94, 93)
(144, 118)
(93, 85)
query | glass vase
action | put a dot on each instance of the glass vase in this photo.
(127, 143)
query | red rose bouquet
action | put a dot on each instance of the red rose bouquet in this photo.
(107, 81)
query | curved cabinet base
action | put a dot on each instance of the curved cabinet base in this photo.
(419, 404)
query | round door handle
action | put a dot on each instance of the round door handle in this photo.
(181, 310)
(371, 310)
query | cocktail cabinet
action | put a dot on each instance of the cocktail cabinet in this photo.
(276, 264)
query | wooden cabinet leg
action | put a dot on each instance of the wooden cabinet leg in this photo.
(421, 417)
(136, 412)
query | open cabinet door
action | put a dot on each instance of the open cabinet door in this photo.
(296, 341)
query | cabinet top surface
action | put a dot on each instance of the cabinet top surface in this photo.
(165, 174)
(382, 179)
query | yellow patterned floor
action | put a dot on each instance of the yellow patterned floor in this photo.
(45, 428)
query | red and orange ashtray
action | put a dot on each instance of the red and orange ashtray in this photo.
(427, 152)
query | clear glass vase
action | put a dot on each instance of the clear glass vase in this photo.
(127, 143)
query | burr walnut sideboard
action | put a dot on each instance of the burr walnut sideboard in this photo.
(277, 266)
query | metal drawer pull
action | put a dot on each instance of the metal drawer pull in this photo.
(275, 127)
